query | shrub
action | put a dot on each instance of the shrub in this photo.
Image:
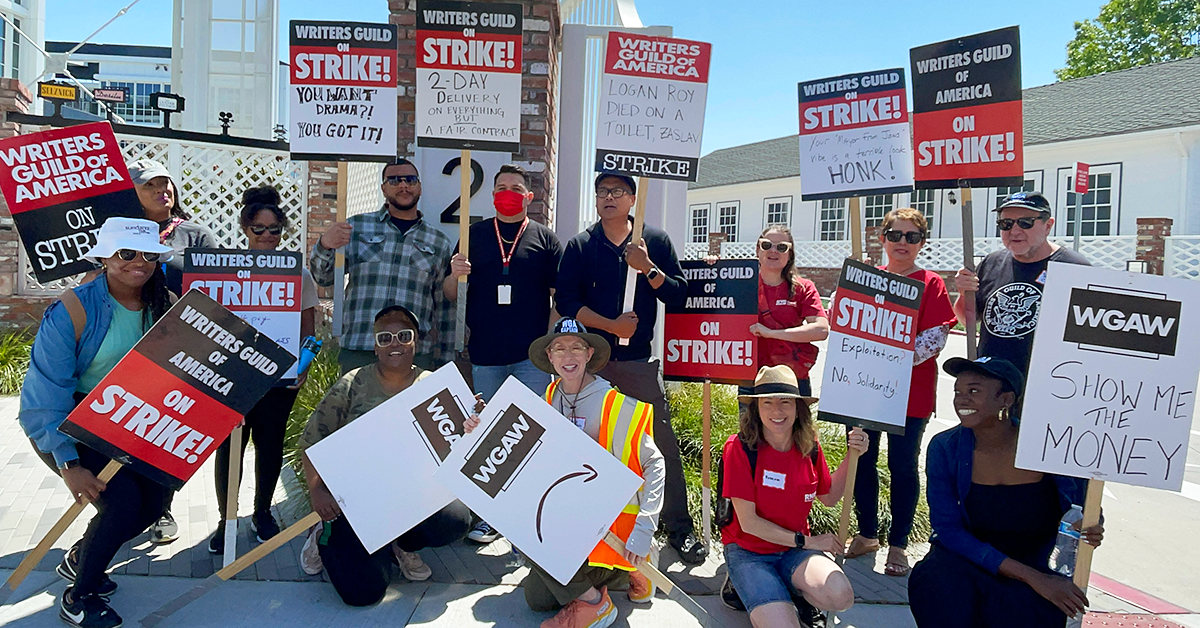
(322, 374)
(14, 360)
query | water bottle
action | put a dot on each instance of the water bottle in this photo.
(1062, 559)
(309, 348)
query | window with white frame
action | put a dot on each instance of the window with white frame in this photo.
(1096, 205)
(727, 220)
(10, 49)
(778, 211)
(875, 208)
(832, 225)
(1002, 192)
(923, 201)
(699, 223)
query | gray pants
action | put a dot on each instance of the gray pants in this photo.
(642, 380)
(543, 593)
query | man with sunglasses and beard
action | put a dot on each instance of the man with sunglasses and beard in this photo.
(1008, 284)
(392, 256)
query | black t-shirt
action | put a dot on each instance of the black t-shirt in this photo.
(501, 334)
(1008, 302)
(404, 225)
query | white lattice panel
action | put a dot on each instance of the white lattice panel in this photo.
(1104, 251)
(947, 253)
(1183, 257)
(362, 183)
(822, 254)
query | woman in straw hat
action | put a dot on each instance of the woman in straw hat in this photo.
(769, 552)
(82, 337)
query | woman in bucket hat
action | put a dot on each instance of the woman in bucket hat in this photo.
(81, 338)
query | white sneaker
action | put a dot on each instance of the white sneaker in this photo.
(411, 565)
(310, 556)
(165, 530)
(483, 533)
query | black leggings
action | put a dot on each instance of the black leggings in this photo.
(265, 424)
(361, 578)
(129, 503)
(946, 590)
(906, 486)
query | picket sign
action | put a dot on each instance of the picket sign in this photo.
(464, 245)
(639, 222)
(968, 230)
(231, 498)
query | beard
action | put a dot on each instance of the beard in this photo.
(404, 207)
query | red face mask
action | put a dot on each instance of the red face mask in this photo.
(508, 203)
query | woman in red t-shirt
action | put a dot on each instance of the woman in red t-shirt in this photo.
(769, 554)
(790, 315)
(903, 235)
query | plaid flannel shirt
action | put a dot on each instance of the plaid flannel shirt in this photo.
(387, 268)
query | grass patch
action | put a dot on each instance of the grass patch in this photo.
(322, 374)
(14, 360)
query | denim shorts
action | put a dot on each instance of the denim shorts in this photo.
(764, 578)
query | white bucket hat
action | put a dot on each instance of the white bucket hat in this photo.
(135, 234)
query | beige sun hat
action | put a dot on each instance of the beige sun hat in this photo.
(776, 381)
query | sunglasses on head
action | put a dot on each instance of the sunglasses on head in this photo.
(1006, 224)
(274, 229)
(397, 179)
(912, 237)
(129, 255)
(767, 245)
(616, 192)
(386, 338)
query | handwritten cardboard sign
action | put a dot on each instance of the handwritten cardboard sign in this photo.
(538, 479)
(263, 287)
(708, 337)
(1112, 378)
(179, 392)
(652, 99)
(343, 91)
(967, 111)
(61, 185)
(469, 75)
(868, 366)
(380, 467)
(854, 137)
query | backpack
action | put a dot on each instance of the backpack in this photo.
(723, 511)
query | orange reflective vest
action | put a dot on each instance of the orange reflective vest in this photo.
(623, 422)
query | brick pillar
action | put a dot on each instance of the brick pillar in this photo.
(322, 206)
(1152, 243)
(542, 42)
(871, 245)
(15, 311)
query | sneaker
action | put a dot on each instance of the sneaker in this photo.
(641, 590)
(87, 611)
(810, 616)
(580, 614)
(264, 526)
(69, 570)
(310, 556)
(165, 530)
(691, 550)
(483, 533)
(216, 545)
(730, 597)
(411, 565)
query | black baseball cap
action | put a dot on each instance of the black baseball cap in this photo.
(1026, 200)
(996, 368)
(624, 179)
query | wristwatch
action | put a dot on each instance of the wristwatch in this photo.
(799, 540)
(70, 464)
(652, 274)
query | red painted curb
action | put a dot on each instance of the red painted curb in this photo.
(1133, 596)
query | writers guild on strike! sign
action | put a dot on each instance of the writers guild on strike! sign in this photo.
(709, 337)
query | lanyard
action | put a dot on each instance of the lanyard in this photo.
(505, 258)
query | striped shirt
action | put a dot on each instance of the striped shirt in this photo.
(390, 268)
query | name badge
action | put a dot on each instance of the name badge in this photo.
(579, 421)
(783, 302)
(1042, 278)
(772, 479)
(504, 295)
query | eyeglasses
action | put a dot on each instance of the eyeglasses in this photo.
(616, 192)
(1006, 224)
(274, 229)
(782, 247)
(387, 338)
(575, 351)
(912, 237)
(129, 255)
(397, 179)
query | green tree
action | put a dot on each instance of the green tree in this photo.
(1129, 33)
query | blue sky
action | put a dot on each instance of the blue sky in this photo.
(761, 48)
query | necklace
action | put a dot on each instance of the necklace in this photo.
(570, 403)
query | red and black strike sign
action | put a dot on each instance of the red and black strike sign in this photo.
(176, 396)
(709, 336)
(61, 185)
(967, 111)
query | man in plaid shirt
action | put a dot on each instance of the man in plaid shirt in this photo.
(393, 257)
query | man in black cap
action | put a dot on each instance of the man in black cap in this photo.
(1009, 283)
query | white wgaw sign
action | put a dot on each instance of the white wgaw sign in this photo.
(1112, 379)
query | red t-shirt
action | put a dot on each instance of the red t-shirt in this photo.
(778, 310)
(936, 310)
(783, 489)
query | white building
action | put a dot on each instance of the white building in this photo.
(141, 70)
(1139, 129)
(19, 57)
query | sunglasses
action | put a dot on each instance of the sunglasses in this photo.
(129, 255)
(912, 237)
(782, 247)
(576, 351)
(616, 192)
(1006, 224)
(397, 179)
(274, 229)
(387, 338)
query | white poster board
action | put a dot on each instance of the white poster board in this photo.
(1112, 378)
(539, 480)
(441, 186)
(380, 467)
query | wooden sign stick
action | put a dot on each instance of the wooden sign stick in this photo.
(706, 463)
(1091, 517)
(244, 561)
(231, 497)
(464, 245)
(37, 553)
(968, 228)
(339, 258)
(661, 581)
(639, 222)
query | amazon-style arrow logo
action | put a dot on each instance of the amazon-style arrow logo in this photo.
(591, 473)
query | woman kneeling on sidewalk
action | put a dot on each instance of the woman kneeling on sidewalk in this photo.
(768, 551)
